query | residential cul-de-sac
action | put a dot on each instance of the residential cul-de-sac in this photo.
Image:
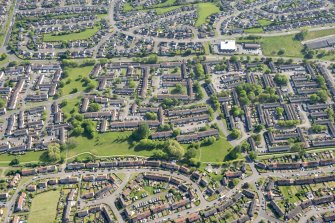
(167, 111)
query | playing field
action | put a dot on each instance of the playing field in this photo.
(28, 157)
(166, 9)
(44, 207)
(107, 144)
(86, 34)
(217, 152)
(75, 79)
(205, 10)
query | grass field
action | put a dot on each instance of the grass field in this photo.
(7, 24)
(207, 49)
(86, 34)
(165, 4)
(107, 144)
(127, 7)
(71, 104)
(254, 30)
(289, 192)
(44, 207)
(166, 9)
(264, 22)
(271, 45)
(217, 152)
(75, 75)
(28, 157)
(320, 33)
(204, 10)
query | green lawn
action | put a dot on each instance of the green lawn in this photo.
(86, 34)
(106, 144)
(44, 207)
(216, 152)
(164, 4)
(289, 192)
(264, 22)
(75, 76)
(28, 157)
(166, 9)
(271, 46)
(127, 7)
(207, 49)
(205, 10)
(72, 103)
(319, 33)
(254, 30)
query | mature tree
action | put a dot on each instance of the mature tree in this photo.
(194, 162)
(89, 128)
(14, 162)
(259, 128)
(174, 149)
(300, 36)
(191, 153)
(54, 152)
(233, 183)
(237, 111)
(199, 71)
(318, 128)
(151, 116)
(208, 141)
(280, 79)
(3, 56)
(253, 155)
(279, 111)
(77, 131)
(235, 134)
(178, 89)
(160, 154)
(299, 148)
(2, 103)
(142, 132)
(234, 153)
(94, 107)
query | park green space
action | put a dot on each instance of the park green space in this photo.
(204, 10)
(216, 152)
(289, 192)
(254, 30)
(264, 22)
(117, 144)
(28, 157)
(44, 207)
(82, 35)
(207, 48)
(75, 76)
(292, 48)
(167, 9)
(72, 104)
(107, 144)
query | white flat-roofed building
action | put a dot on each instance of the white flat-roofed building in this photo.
(228, 45)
